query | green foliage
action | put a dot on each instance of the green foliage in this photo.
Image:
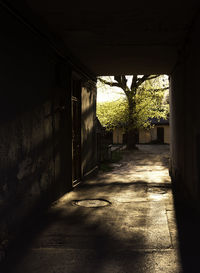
(113, 114)
(149, 100)
(149, 104)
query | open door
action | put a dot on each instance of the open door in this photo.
(76, 132)
(160, 134)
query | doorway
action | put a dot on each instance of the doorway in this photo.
(76, 132)
(160, 134)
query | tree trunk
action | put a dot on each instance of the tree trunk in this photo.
(131, 139)
(131, 131)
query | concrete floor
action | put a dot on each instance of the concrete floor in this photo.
(135, 232)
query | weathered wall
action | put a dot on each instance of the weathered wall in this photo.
(146, 136)
(35, 122)
(88, 128)
(118, 136)
(153, 133)
(185, 121)
(166, 133)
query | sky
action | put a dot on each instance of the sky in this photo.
(107, 93)
(111, 94)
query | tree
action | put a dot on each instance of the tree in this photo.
(113, 114)
(143, 100)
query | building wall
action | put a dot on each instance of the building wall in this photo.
(153, 133)
(35, 122)
(117, 136)
(167, 134)
(146, 136)
(88, 130)
(185, 121)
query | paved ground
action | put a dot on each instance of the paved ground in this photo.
(134, 232)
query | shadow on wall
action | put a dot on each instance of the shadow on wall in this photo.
(33, 169)
(30, 130)
(88, 130)
(189, 233)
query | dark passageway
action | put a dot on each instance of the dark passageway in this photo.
(51, 54)
(135, 231)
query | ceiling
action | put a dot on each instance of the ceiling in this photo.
(112, 37)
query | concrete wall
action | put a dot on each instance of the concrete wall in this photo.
(88, 128)
(166, 133)
(146, 136)
(185, 121)
(35, 125)
(117, 136)
(153, 133)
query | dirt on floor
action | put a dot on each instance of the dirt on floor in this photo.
(148, 163)
(121, 221)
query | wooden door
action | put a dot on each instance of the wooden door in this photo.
(76, 132)
(160, 134)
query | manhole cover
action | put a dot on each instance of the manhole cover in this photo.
(92, 203)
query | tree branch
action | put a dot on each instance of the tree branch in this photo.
(153, 77)
(118, 79)
(145, 78)
(109, 83)
(134, 82)
(121, 79)
(124, 80)
(159, 89)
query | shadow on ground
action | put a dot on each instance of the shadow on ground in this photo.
(138, 231)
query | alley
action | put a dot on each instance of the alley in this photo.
(122, 221)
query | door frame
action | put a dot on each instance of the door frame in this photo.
(76, 99)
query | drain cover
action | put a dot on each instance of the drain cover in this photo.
(92, 203)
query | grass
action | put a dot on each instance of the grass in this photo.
(106, 165)
(116, 156)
